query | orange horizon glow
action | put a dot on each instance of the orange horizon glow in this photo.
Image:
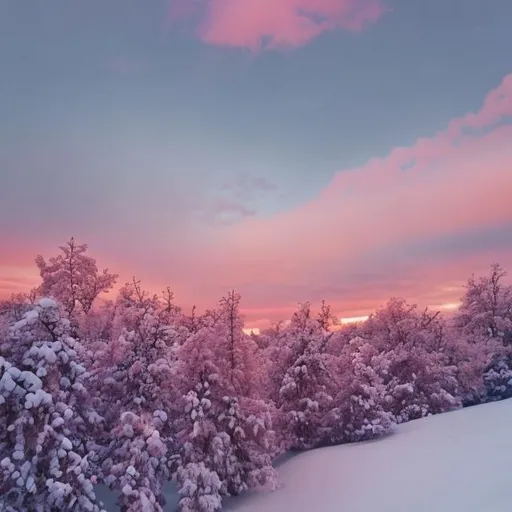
(420, 233)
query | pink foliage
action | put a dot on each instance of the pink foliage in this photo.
(73, 278)
(137, 462)
(134, 392)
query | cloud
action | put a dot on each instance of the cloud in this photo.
(234, 199)
(414, 223)
(245, 187)
(409, 231)
(257, 24)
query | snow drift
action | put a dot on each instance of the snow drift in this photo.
(458, 461)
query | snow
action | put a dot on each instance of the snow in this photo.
(457, 462)
(47, 303)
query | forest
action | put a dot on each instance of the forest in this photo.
(133, 391)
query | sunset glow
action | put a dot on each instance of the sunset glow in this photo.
(354, 319)
(237, 230)
(230, 146)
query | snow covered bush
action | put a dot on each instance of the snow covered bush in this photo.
(199, 488)
(498, 380)
(40, 469)
(224, 439)
(484, 323)
(419, 384)
(136, 463)
(40, 342)
(418, 377)
(306, 399)
(135, 370)
(219, 434)
(361, 409)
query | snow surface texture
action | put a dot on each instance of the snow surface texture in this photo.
(453, 462)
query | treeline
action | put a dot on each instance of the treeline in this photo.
(134, 392)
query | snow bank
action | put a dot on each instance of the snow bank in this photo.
(456, 462)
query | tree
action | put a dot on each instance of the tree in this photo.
(486, 308)
(134, 372)
(73, 278)
(137, 462)
(234, 346)
(485, 321)
(360, 413)
(419, 379)
(225, 442)
(13, 309)
(287, 344)
(41, 342)
(49, 427)
(306, 391)
(326, 318)
(306, 400)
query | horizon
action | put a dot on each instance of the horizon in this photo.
(447, 309)
(345, 150)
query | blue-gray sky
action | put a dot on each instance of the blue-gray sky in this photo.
(204, 147)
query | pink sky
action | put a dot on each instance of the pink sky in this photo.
(268, 23)
(373, 232)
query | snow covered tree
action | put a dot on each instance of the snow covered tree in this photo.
(326, 318)
(73, 278)
(235, 350)
(13, 309)
(135, 370)
(360, 413)
(219, 435)
(137, 462)
(484, 320)
(48, 441)
(41, 342)
(486, 308)
(133, 386)
(287, 344)
(418, 377)
(222, 438)
(306, 399)
(199, 488)
(39, 467)
(420, 384)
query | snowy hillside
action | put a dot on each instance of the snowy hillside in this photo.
(458, 461)
(454, 462)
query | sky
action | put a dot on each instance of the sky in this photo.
(346, 150)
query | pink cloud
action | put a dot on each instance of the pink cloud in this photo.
(455, 181)
(285, 23)
(356, 243)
